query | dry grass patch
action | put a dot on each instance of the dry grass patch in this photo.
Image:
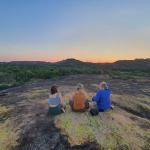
(82, 127)
(5, 112)
(137, 105)
(7, 136)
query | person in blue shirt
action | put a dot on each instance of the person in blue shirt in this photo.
(102, 97)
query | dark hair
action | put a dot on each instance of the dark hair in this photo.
(54, 89)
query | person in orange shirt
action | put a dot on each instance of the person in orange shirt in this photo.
(79, 100)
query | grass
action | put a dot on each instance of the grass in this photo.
(7, 137)
(4, 113)
(76, 127)
(4, 109)
(147, 141)
(134, 104)
(81, 128)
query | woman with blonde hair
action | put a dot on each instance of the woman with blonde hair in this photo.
(79, 100)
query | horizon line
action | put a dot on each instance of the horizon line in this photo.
(74, 59)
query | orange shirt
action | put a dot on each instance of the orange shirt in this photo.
(79, 100)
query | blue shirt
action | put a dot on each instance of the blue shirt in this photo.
(102, 99)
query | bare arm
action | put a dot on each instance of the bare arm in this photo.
(61, 98)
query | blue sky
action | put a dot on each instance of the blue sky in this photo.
(89, 30)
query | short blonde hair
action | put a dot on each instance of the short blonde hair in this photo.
(80, 86)
(103, 85)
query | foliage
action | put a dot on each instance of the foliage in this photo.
(17, 74)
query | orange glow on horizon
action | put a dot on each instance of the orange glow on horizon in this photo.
(41, 57)
(8, 59)
(32, 58)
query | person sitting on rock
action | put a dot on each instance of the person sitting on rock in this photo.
(79, 100)
(102, 99)
(55, 101)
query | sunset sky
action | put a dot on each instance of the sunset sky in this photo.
(89, 30)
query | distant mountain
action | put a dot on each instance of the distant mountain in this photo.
(29, 63)
(121, 64)
(141, 64)
(132, 64)
(70, 61)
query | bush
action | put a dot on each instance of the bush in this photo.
(11, 75)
